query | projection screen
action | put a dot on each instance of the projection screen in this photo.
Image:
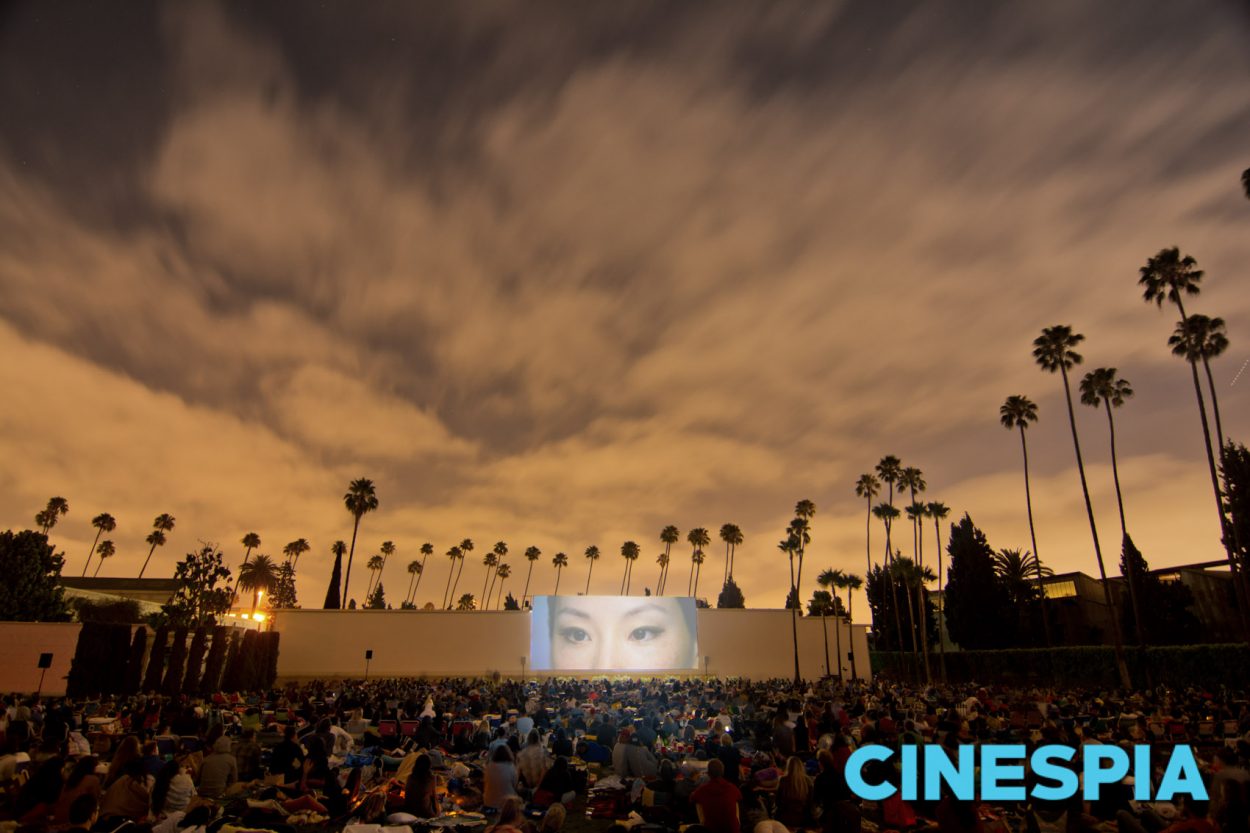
(613, 633)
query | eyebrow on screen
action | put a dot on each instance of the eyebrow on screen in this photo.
(642, 608)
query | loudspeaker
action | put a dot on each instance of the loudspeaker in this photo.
(369, 654)
(45, 660)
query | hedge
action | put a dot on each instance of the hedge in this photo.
(1205, 666)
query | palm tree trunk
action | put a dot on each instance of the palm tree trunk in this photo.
(898, 620)
(146, 560)
(99, 563)
(824, 632)
(850, 621)
(99, 531)
(1121, 664)
(447, 590)
(589, 573)
(937, 534)
(690, 580)
(347, 577)
(911, 625)
(868, 536)
(794, 623)
(486, 582)
(837, 634)
(1132, 579)
(924, 633)
(526, 591)
(1215, 406)
(697, 571)
(556, 592)
(455, 585)
(408, 595)
(1041, 591)
(420, 576)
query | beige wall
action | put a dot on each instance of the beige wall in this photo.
(331, 643)
(21, 643)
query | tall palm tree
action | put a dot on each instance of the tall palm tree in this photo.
(504, 571)
(696, 561)
(1206, 339)
(162, 524)
(57, 506)
(500, 551)
(889, 470)
(1016, 412)
(790, 546)
(387, 549)
(1017, 570)
(804, 511)
(1100, 387)
(559, 561)
(938, 511)
(427, 549)
(532, 554)
(662, 559)
(295, 549)
(732, 536)
(454, 555)
(105, 550)
(104, 522)
(829, 579)
(868, 487)
(334, 599)
(1054, 352)
(852, 583)
(374, 566)
(912, 480)
(629, 551)
(887, 513)
(361, 498)
(259, 575)
(250, 542)
(698, 538)
(466, 547)
(592, 555)
(669, 535)
(414, 572)
(914, 578)
(490, 561)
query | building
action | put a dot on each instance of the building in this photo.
(150, 593)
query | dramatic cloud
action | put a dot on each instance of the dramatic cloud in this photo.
(561, 277)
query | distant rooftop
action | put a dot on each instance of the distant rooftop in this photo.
(110, 584)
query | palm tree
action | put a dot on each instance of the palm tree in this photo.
(889, 470)
(104, 522)
(490, 561)
(732, 536)
(453, 554)
(868, 487)
(258, 575)
(500, 551)
(669, 535)
(334, 600)
(629, 551)
(414, 571)
(912, 480)
(250, 541)
(466, 547)
(852, 583)
(466, 602)
(57, 506)
(804, 511)
(504, 571)
(828, 579)
(592, 555)
(1101, 387)
(1206, 338)
(1054, 352)
(374, 566)
(387, 550)
(532, 554)
(938, 512)
(1016, 412)
(295, 549)
(914, 578)
(360, 499)
(698, 538)
(427, 549)
(105, 550)
(662, 559)
(162, 524)
(887, 513)
(790, 546)
(559, 561)
(1017, 570)
(696, 563)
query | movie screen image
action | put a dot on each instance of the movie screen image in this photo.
(613, 633)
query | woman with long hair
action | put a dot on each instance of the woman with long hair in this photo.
(128, 750)
(794, 795)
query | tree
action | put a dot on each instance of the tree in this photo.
(195, 660)
(889, 469)
(204, 592)
(156, 659)
(500, 552)
(731, 596)
(1054, 352)
(56, 508)
(427, 549)
(510, 603)
(387, 550)
(1245, 182)
(592, 555)
(978, 605)
(887, 513)
(912, 480)
(829, 579)
(913, 578)
(414, 571)
(163, 523)
(377, 599)
(250, 542)
(669, 535)
(295, 549)
(696, 564)
(938, 511)
(852, 583)
(532, 554)
(105, 551)
(334, 599)
(259, 576)
(490, 561)
(1235, 474)
(374, 566)
(453, 555)
(1020, 572)
(804, 511)
(466, 547)
(732, 536)
(283, 596)
(790, 546)
(559, 561)
(466, 602)
(1171, 621)
(1017, 412)
(210, 683)
(361, 498)
(1100, 387)
(629, 552)
(31, 590)
(504, 571)
(868, 487)
(104, 522)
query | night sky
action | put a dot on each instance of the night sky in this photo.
(563, 273)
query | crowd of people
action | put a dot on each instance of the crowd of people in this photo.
(712, 756)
